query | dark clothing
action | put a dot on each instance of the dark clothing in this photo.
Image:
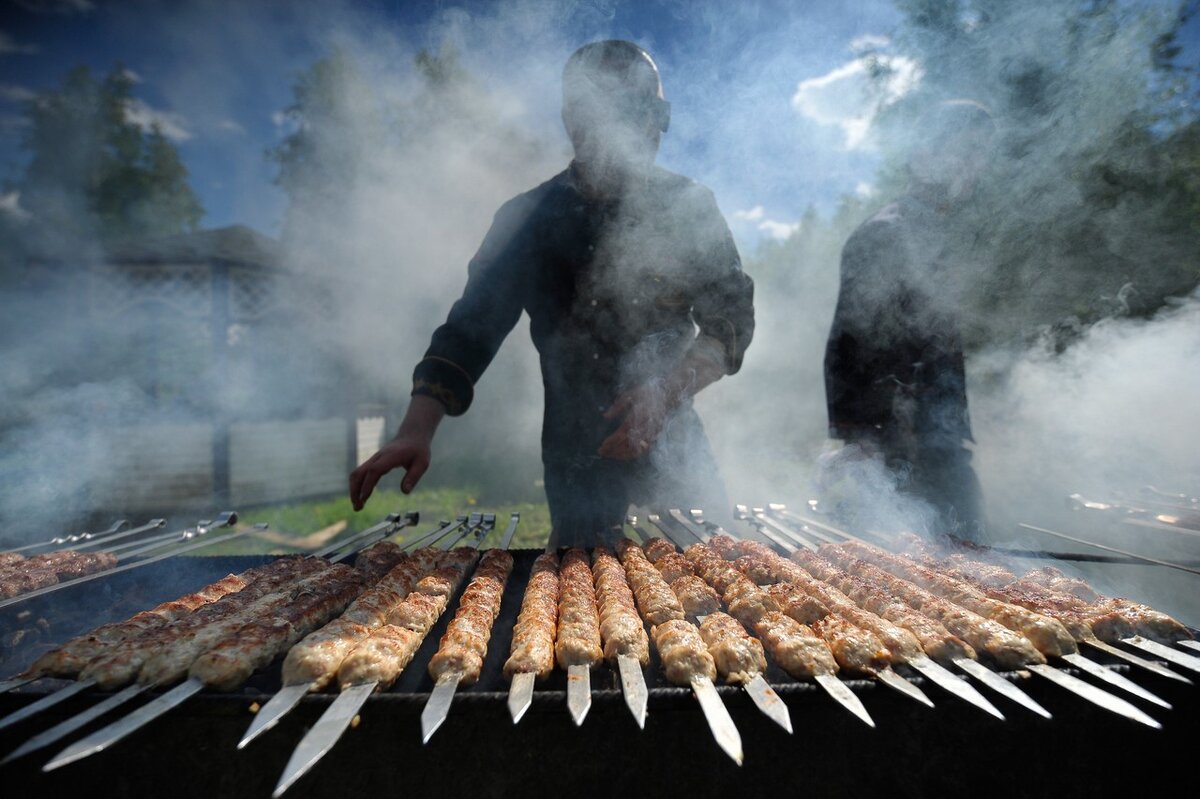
(615, 290)
(894, 365)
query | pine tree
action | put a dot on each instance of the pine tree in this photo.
(95, 175)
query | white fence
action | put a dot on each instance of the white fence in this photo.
(166, 467)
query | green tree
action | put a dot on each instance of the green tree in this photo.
(94, 174)
(1089, 208)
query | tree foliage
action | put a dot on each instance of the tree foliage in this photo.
(1090, 205)
(95, 174)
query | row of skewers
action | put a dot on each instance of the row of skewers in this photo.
(716, 610)
(43, 567)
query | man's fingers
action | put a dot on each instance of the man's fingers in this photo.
(355, 484)
(624, 445)
(619, 406)
(413, 474)
(370, 478)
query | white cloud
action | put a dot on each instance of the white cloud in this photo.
(10, 45)
(771, 227)
(280, 118)
(230, 126)
(15, 94)
(846, 97)
(131, 75)
(172, 125)
(869, 42)
(864, 189)
(778, 230)
(10, 205)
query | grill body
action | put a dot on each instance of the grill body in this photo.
(915, 751)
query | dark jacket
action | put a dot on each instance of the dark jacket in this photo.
(894, 367)
(614, 289)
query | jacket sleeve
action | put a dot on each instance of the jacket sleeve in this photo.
(723, 306)
(860, 354)
(481, 318)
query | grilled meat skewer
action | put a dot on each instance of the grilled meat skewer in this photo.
(577, 646)
(532, 653)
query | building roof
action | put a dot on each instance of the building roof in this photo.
(236, 244)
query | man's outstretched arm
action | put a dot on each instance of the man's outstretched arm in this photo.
(460, 351)
(410, 450)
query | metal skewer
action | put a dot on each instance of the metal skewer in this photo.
(769, 702)
(761, 693)
(1089, 692)
(16, 682)
(936, 673)
(719, 721)
(579, 692)
(694, 525)
(1093, 694)
(1140, 662)
(107, 736)
(148, 545)
(86, 537)
(833, 686)
(1165, 652)
(633, 687)
(47, 701)
(324, 734)
(153, 524)
(845, 697)
(1113, 678)
(329, 728)
(1189, 644)
(1106, 548)
(520, 694)
(437, 708)
(289, 696)
(1000, 685)
(65, 728)
(136, 565)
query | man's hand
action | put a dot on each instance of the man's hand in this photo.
(644, 410)
(643, 413)
(411, 450)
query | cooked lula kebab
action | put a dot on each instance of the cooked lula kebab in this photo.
(1012, 649)
(681, 649)
(460, 654)
(793, 646)
(312, 663)
(266, 626)
(531, 656)
(377, 660)
(739, 656)
(810, 600)
(1087, 624)
(577, 645)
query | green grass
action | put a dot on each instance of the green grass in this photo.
(303, 518)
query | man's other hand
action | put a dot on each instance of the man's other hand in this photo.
(643, 414)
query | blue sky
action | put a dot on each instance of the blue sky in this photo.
(766, 96)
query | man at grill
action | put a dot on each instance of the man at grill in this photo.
(618, 263)
(895, 382)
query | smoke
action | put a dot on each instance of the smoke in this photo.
(423, 160)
